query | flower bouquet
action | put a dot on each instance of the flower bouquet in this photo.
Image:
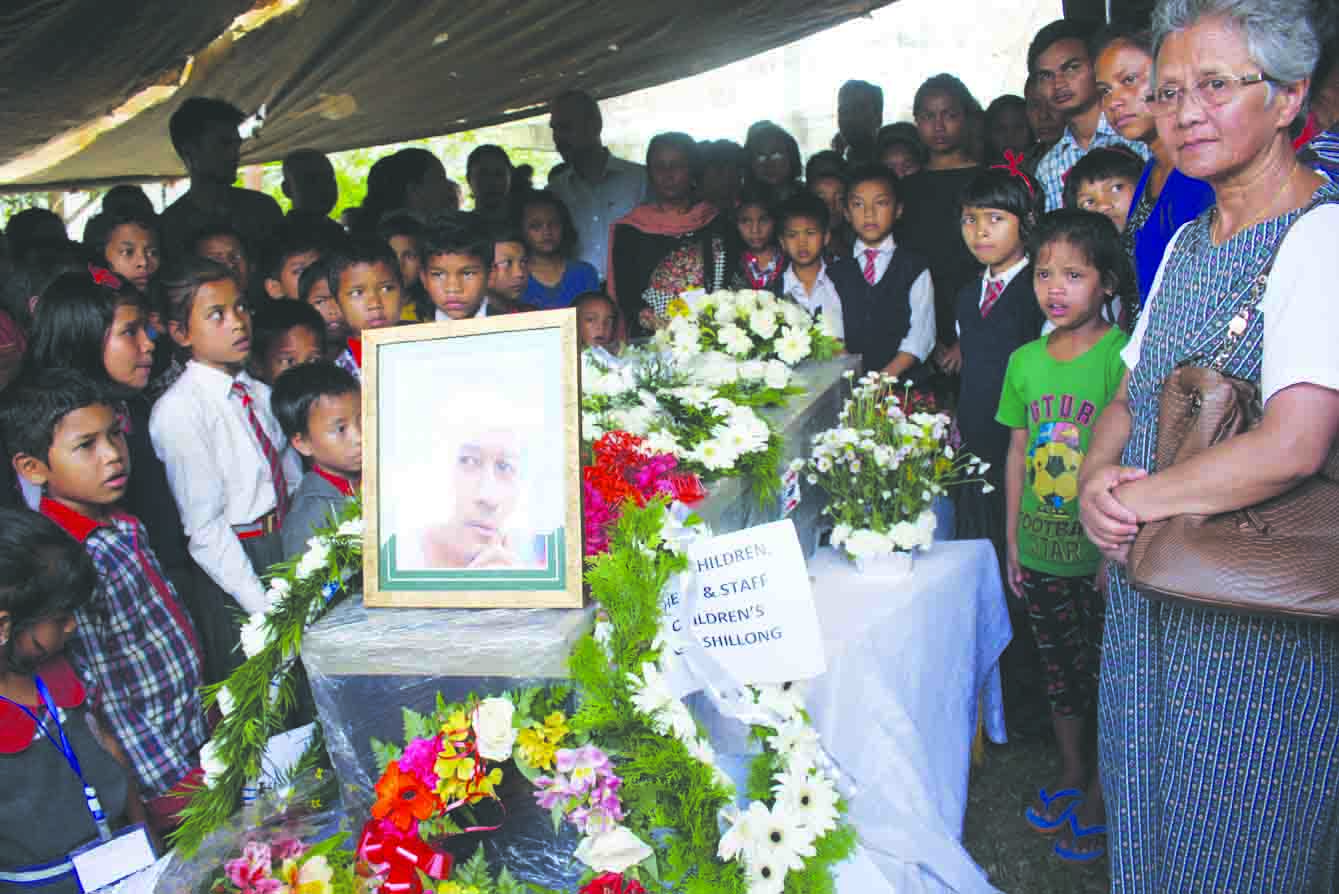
(744, 325)
(882, 468)
(622, 468)
(286, 865)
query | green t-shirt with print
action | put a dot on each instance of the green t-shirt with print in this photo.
(1058, 402)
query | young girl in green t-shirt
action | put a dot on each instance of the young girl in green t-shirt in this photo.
(1054, 390)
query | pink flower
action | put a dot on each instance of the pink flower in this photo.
(419, 758)
(583, 761)
(287, 849)
(250, 873)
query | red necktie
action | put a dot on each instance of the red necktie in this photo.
(266, 448)
(870, 255)
(994, 289)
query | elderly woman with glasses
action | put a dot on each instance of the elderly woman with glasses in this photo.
(1219, 731)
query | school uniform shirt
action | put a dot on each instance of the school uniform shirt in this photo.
(442, 316)
(822, 302)
(217, 472)
(320, 497)
(1052, 169)
(43, 815)
(136, 649)
(920, 338)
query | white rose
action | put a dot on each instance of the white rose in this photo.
(493, 731)
(211, 763)
(255, 635)
(225, 701)
(614, 851)
(763, 322)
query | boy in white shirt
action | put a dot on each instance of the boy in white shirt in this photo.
(803, 224)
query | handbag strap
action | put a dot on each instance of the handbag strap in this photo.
(1255, 295)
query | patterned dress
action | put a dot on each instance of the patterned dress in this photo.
(1219, 733)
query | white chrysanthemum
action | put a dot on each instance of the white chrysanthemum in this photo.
(315, 559)
(716, 455)
(763, 322)
(255, 635)
(796, 741)
(637, 420)
(225, 701)
(746, 830)
(786, 702)
(766, 875)
(653, 698)
(810, 799)
(663, 442)
(735, 341)
(864, 543)
(793, 346)
(212, 763)
(777, 374)
(354, 527)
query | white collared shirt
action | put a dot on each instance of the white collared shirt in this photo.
(1007, 278)
(595, 206)
(920, 338)
(217, 472)
(442, 316)
(822, 300)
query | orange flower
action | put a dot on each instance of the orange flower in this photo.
(402, 798)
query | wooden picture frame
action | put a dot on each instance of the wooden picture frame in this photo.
(472, 463)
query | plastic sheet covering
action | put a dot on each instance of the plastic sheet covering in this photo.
(731, 506)
(366, 665)
(295, 811)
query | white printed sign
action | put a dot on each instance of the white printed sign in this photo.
(749, 605)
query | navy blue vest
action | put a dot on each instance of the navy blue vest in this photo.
(1015, 320)
(876, 318)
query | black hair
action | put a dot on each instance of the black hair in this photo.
(213, 230)
(402, 224)
(755, 193)
(595, 295)
(388, 183)
(676, 140)
(1061, 29)
(25, 231)
(1101, 164)
(127, 199)
(567, 246)
(1000, 104)
(901, 133)
(32, 407)
(195, 115)
(300, 387)
(71, 324)
(456, 238)
(802, 204)
(874, 91)
(294, 238)
(364, 250)
(274, 318)
(510, 232)
(182, 281)
(1004, 191)
(31, 278)
(950, 86)
(100, 227)
(479, 152)
(712, 153)
(317, 272)
(1139, 38)
(871, 172)
(44, 573)
(826, 163)
(761, 130)
(1096, 237)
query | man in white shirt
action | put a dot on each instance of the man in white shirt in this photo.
(596, 187)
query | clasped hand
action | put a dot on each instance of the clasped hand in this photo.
(1109, 524)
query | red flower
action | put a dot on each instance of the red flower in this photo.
(403, 799)
(613, 883)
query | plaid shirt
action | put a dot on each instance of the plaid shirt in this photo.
(1054, 167)
(137, 651)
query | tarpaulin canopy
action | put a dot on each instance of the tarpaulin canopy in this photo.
(89, 85)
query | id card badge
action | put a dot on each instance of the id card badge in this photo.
(101, 864)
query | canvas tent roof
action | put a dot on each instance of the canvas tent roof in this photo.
(89, 85)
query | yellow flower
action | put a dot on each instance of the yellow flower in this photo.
(678, 308)
(539, 744)
(312, 877)
(457, 727)
(457, 888)
(485, 787)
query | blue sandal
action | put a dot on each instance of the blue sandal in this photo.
(1040, 823)
(1080, 832)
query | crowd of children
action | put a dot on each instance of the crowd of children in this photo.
(179, 394)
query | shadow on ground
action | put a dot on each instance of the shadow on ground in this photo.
(1018, 860)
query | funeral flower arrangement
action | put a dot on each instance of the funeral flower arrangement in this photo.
(746, 326)
(286, 865)
(882, 468)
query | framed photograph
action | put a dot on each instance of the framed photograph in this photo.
(472, 465)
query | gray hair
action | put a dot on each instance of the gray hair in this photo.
(1280, 34)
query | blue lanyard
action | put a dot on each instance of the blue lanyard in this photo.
(61, 743)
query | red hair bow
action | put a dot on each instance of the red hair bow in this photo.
(104, 277)
(1014, 165)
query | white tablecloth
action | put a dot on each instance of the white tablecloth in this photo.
(897, 708)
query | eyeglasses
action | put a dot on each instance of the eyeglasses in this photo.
(1210, 92)
(763, 158)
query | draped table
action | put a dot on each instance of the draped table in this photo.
(909, 662)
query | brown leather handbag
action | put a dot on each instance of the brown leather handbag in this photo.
(1279, 557)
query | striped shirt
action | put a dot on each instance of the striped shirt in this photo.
(1054, 168)
(137, 651)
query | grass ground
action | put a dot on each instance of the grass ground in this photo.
(1018, 860)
